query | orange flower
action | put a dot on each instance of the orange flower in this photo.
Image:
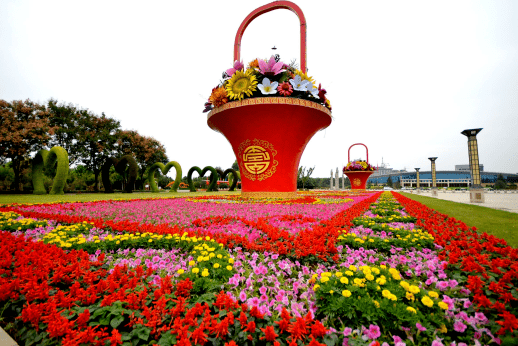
(218, 97)
(253, 64)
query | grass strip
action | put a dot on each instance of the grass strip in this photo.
(500, 223)
(89, 197)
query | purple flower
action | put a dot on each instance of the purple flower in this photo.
(437, 342)
(347, 331)
(373, 332)
(242, 296)
(270, 68)
(238, 65)
(262, 290)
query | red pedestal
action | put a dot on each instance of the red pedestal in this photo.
(268, 136)
(358, 179)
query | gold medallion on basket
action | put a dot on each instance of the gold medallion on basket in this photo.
(357, 182)
(257, 159)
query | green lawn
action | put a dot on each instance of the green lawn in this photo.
(88, 197)
(500, 223)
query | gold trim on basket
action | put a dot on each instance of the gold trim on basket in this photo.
(269, 100)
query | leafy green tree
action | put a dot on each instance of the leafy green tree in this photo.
(303, 174)
(64, 118)
(235, 166)
(389, 181)
(500, 182)
(24, 128)
(98, 136)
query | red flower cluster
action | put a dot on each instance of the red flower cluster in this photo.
(490, 264)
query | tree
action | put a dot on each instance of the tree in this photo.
(98, 138)
(24, 128)
(304, 174)
(146, 150)
(235, 166)
(500, 182)
(65, 120)
(389, 181)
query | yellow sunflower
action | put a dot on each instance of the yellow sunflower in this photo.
(240, 84)
(218, 97)
(304, 76)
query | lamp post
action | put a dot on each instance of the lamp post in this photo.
(434, 177)
(476, 192)
(418, 185)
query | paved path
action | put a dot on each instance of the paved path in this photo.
(5, 339)
(501, 201)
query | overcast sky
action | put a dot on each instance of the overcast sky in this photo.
(403, 77)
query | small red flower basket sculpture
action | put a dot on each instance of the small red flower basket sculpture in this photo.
(358, 172)
(269, 134)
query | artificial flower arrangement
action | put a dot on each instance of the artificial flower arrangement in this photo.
(264, 78)
(359, 165)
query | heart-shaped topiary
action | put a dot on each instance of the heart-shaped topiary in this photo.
(202, 172)
(164, 169)
(47, 159)
(105, 173)
(231, 178)
(120, 167)
(220, 176)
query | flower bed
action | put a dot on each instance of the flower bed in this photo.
(321, 269)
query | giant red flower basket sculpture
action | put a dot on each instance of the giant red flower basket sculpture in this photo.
(268, 132)
(358, 172)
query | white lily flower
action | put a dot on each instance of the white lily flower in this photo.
(299, 84)
(268, 87)
(313, 90)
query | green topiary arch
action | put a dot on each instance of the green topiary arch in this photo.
(233, 179)
(47, 159)
(164, 169)
(120, 167)
(201, 172)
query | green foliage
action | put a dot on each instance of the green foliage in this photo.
(232, 173)
(128, 160)
(110, 161)
(47, 160)
(201, 172)
(164, 169)
(389, 181)
(235, 166)
(219, 176)
(500, 182)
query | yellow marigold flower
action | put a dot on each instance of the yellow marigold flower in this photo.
(195, 270)
(328, 274)
(331, 292)
(392, 297)
(404, 284)
(229, 268)
(346, 293)
(349, 273)
(427, 301)
(205, 272)
(433, 294)
(376, 304)
(150, 240)
(415, 290)
(353, 268)
(375, 271)
(410, 296)
(443, 305)
(191, 263)
(338, 274)
(181, 271)
(443, 329)
(216, 265)
(324, 279)
(369, 277)
(344, 280)
(315, 288)
(231, 260)
(411, 309)
(219, 256)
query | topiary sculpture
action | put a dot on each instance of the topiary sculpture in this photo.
(201, 172)
(164, 169)
(233, 179)
(47, 159)
(120, 167)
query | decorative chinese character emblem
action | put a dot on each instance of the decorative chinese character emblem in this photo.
(257, 159)
(357, 182)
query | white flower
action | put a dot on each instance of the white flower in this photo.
(268, 87)
(313, 90)
(299, 84)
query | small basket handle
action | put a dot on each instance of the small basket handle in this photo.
(267, 8)
(349, 153)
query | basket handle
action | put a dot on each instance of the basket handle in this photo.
(267, 8)
(349, 152)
